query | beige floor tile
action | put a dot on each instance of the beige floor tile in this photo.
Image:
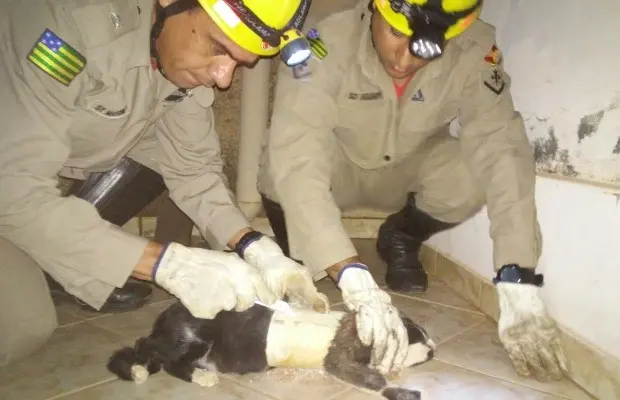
(367, 251)
(165, 387)
(438, 292)
(441, 322)
(72, 312)
(160, 295)
(66, 317)
(480, 350)
(328, 287)
(134, 324)
(75, 356)
(286, 384)
(441, 381)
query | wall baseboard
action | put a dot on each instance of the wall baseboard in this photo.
(591, 369)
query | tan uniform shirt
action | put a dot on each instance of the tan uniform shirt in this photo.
(346, 103)
(116, 105)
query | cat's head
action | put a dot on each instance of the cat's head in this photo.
(421, 346)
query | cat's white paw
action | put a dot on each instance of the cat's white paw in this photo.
(205, 378)
(139, 374)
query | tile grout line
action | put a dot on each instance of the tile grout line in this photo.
(464, 331)
(121, 337)
(477, 312)
(253, 389)
(348, 389)
(74, 391)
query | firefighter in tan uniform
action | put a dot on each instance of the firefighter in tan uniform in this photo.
(119, 95)
(366, 123)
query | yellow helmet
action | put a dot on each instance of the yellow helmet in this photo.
(263, 27)
(459, 13)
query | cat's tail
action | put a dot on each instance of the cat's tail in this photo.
(135, 364)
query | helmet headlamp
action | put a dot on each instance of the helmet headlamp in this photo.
(429, 24)
(293, 45)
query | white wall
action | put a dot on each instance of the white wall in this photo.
(563, 70)
(564, 59)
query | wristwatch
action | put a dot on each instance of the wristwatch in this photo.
(515, 274)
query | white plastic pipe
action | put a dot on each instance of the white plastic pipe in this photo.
(255, 84)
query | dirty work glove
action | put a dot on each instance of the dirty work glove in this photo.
(282, 275)
(528, 333)
(208, 281)
(378, 321)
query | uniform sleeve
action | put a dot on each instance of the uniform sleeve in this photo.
(59, 233)
(299, 150)
(500, 157)
(192, 168)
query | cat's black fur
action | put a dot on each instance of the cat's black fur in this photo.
(235, 342)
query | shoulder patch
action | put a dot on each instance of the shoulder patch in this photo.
(494, 56)
(56, 58)
(317, 46)
(494, 80)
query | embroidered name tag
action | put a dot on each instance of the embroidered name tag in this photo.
(178, 96)
(101, 110)
(366, 96)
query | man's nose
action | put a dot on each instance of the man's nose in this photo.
(223, 72)
(403, 56)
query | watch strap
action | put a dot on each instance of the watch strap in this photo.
(246, 240)
(522, 275)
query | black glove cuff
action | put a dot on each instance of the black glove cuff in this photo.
(512, 273)
(351, 265)
(245, 241)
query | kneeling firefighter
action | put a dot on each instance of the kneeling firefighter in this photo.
(118, 95)
(365, 122)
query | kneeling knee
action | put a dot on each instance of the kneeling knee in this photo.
(22, 338)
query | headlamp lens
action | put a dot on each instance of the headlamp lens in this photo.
(295, 52)
(294, 48)
(428, 39)
(425, 49)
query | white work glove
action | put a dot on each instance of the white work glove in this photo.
(528, 333)
(209, 281)
(284, 276)
(378, 322)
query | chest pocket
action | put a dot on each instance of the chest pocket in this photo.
(360, 117)
(101, 22)
(103, 119)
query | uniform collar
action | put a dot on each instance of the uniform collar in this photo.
(140, 49)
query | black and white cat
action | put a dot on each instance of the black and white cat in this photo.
(259, 339)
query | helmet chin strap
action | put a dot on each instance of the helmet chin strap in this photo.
(161, 13)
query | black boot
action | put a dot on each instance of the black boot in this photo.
(398, 244)
(119, 195)
(275, 215)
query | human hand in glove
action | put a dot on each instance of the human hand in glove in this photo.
(208, 281)
(378, 321)
(528, 333)
(282, 275)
